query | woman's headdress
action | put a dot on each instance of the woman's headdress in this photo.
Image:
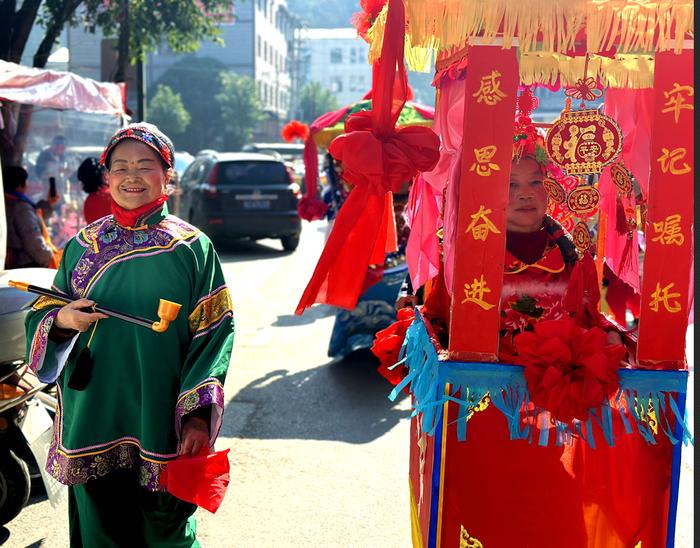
(527, 140)
(146, 133)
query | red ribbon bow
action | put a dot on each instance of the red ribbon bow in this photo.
(377, 159)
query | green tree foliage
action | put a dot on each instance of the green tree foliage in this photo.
(241, 110)
(143, 24)
(196, 80)
(315, 100)
(140, 26)
(167, 112)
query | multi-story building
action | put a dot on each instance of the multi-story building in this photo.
(260, 42)
(337, 59)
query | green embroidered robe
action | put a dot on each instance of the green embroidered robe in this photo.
(143, 382)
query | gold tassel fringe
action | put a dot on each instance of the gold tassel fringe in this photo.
(630, 25)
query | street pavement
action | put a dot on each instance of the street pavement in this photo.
(318, 453)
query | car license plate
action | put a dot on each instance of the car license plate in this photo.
(256, 204)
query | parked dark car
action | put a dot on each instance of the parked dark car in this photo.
(232, 195)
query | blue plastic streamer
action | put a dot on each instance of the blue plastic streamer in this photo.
(428, 376)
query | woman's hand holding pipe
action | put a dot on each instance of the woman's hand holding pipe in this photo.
(71, 316)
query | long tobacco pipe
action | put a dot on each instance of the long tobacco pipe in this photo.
(167, 310)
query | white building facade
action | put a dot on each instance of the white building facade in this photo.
(337, 59)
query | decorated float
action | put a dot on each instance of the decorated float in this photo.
(574, 440)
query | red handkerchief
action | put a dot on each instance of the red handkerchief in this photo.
(201, 480)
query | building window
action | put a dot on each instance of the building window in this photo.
(336, 56)
(259, 47)
(265, 50)
(336, 84)
(353, 55)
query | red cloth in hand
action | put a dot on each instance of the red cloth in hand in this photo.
(201, 480)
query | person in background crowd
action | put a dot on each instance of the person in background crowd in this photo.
(98, 204)
(52, 160)
(27, 244)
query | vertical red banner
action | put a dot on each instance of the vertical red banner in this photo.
(666, 277)
(487, 150)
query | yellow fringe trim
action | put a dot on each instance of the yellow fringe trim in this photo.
(631, 25)
(624, 71)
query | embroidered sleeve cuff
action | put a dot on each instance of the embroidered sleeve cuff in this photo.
(208, 393)
(47, 357)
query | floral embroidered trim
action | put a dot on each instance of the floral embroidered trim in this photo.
(95, 461)
(210, 309)
(73, 470)
(209, 392)
(46, 302)
(212, 327)
(118, 244)
(38, 350)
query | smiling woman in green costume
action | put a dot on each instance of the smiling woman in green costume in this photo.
(131, 399)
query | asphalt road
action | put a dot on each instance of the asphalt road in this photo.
(318, 452)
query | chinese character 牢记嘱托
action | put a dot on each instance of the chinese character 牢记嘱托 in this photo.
(669, 231)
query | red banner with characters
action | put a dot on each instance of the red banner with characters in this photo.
(487, 149)
(668, 232)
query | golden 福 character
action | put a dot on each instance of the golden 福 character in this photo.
(663, 296)
(669, 158)
(676, 100)
(481, 225)
(483, 165)
(474, 293)
(489, 91)
(669, 231)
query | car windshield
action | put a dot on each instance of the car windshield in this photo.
(252, 173)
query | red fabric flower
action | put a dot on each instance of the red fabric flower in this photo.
(568, 369)
(311, 209)
(387, 345)
(294, 130)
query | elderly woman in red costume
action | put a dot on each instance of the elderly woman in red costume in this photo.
(544, 276)
(588, 497)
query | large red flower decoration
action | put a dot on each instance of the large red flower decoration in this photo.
(294, 130)
(568, 369)
(387, 345)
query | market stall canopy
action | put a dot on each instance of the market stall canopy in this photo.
(58, 90)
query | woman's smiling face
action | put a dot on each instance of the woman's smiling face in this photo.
(136, 175)
(527, 199)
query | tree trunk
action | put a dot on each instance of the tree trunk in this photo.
(21, 27)
(123, 44)
(14, 139)
(54, 31)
